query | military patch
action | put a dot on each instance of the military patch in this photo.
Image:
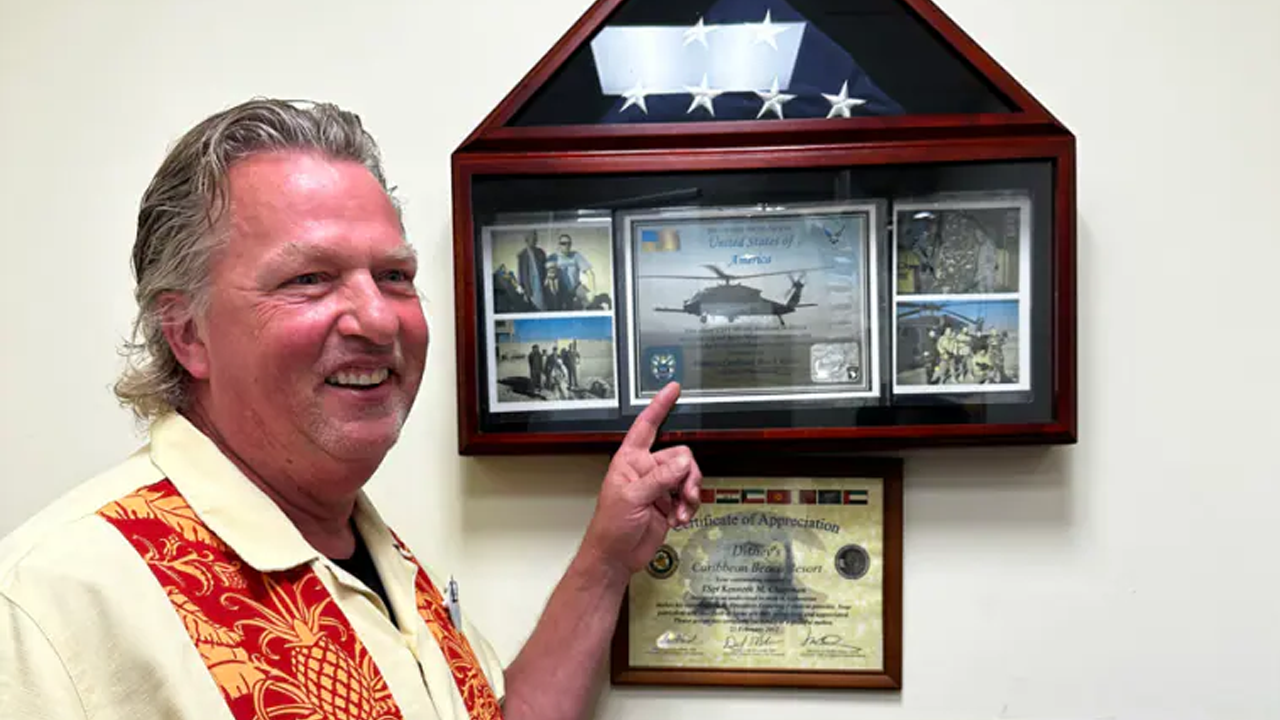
(664, 562)
(662, 364)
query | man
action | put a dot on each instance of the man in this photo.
(572, 266)
(233, 567)
(988, 266)
(554, 372)
(531, 263)
(508, 297)
(944, 373)
(962, 352)
(571, 358)
(556, 293)
(535, 367)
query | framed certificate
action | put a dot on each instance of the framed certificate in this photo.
(789, 576)
(762, 304)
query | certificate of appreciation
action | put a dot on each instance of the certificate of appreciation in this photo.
(753, 305)
(774, 574)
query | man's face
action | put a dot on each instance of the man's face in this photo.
(315, 336)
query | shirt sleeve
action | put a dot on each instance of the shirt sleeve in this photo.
(34, 682)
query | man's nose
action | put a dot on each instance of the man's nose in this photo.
(369, 314)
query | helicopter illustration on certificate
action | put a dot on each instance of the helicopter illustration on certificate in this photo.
(728, 298)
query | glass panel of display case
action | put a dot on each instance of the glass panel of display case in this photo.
(681, 61)
(843, 297)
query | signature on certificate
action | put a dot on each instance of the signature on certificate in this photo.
(751, 640)
(830, 640)
(672, 638)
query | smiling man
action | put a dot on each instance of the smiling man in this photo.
(233, 567)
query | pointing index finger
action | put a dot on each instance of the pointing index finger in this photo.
(645, 429)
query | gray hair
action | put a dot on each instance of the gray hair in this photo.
(180, 224)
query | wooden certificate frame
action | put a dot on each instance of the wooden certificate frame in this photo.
(823, 535)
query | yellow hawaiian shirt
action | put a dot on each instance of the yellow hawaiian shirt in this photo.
(87, 630)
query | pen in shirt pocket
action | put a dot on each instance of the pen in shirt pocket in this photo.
(451, 602)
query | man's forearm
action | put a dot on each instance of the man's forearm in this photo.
(556, 672)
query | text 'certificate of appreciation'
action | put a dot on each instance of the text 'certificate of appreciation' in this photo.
(742, 306)
(773, 574)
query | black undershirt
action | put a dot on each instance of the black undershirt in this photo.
(360, 565)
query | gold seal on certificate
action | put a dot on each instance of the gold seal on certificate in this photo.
(778, 580)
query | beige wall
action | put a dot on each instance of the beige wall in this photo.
(1129, 577)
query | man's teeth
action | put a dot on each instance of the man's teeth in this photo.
(359, 379)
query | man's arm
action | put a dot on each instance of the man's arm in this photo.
(588, 271)
(556, 673)
(643, 495)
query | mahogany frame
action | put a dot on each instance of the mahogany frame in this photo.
(1029, 133)
(1059, 150)
(889, 678)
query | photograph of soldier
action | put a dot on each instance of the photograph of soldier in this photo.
(536, 269)
(553, 362)
(962, 343)
(959, 249)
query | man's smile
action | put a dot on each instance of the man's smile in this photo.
(359, 379)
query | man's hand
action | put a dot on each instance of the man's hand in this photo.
(644, 493)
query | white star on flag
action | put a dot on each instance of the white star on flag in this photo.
(698, 33)
(773, 100)
(841, 103)
(635, 96)
(702, 96)
(767, 32)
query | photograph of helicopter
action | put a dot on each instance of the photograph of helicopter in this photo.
(729, 299)
(959, 346)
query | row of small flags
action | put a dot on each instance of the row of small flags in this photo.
(718, 496)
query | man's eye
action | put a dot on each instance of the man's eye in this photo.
(397, 276)
(307, 279)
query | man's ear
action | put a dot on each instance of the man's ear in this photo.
(178, 323)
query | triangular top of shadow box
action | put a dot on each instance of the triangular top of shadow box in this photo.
(724, 73)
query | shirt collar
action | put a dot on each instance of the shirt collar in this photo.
(235, 509)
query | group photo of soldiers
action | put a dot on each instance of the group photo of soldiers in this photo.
(554, 369)
(554, 360)
(958, 343)
(531, 278)
(968, 358)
